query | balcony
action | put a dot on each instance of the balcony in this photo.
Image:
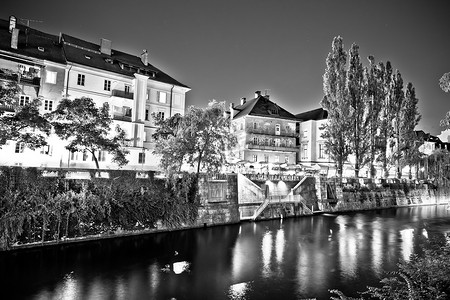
(122, 118)
(271, 132)
(6, 108)
(272, 147)
(122, 94)
(8, 77)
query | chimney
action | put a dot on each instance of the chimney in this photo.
(105, 46)
(231, 111)
(14, 38)
(144, 57)
(12, 23)
(243, 99)
(257, 94)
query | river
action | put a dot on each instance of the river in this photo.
(294, 258)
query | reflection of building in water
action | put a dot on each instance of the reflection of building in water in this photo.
(266, 250)
(407, 242)
(280, 242)
(377, 248)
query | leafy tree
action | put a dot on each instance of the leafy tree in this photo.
(376, 94)
(396, 105)
(359, 108)
(88, 128)
(22, 123)
(410, 119)
(335, 101)
(201, 137)
(444, 82)
(386, 129)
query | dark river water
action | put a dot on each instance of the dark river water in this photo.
(279, 259)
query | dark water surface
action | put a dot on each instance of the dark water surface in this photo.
(279, 259)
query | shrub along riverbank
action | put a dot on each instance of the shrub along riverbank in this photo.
(35, 208)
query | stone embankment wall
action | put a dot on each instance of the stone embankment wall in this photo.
(387, 197)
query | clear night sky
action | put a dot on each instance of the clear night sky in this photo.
(228, 49)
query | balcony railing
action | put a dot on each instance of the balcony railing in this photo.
(121, 94)
(35, 81)
(272, 147)
(6, 108)
(122, 118)
(271, 131)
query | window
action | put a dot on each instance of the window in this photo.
(19, 147)
(305, 133)
(161, 115)
(127, 89)
(127, 111)
(255, 157)
(286, 159)
(255, 125)
(277, 129)
(74, 156)
(266, 158)
(242, 126)
(48, 105)
(85, 156)
(23, 100)
(107, 85)
(255, 141)
(141, 158)
(304, 150)
(148, 95)
(146, 114)
(277, 142)
(47, 150)
(50, 77)
(81, 79)
(322, 151)
(101, 156)
(162, 97)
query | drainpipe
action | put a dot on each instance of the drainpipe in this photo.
(67, 82)
(171, 96)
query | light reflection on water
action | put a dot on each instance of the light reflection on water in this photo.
(288, 259)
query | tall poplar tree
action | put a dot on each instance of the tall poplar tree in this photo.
(410, 119)
(359, 109)
(376, 95)
(335, 101)
(396, 103)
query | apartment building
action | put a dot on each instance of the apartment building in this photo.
(266, 134)
(54, 67)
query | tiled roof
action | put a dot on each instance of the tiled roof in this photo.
(75, 50)
(315, 114)
(29, 41)
(263, 107)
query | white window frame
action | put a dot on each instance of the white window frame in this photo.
(81, 79)
(141, 158)
(19, 147)
(24, 100)
(107, 85)
(277, 129)
(48, 105)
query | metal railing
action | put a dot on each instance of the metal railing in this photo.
(122, 94)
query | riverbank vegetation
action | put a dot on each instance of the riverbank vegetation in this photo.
(37, 209)
(423, 277)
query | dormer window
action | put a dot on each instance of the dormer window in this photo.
(87, 56)
(109, 61)
(121, 65)
(41, 49)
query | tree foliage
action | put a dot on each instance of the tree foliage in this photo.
(22, 122)
(88, 128)
(200, 138)
(335, 101)
(444, 82)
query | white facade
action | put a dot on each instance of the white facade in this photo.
(133, 94)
